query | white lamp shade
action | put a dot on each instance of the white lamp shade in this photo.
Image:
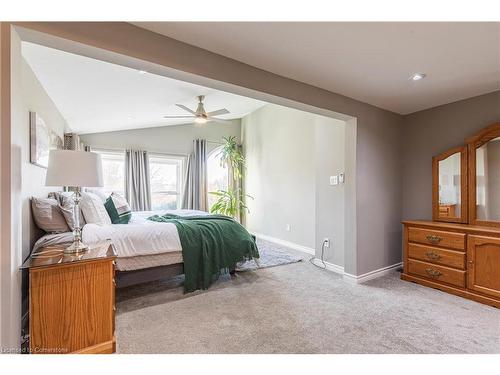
(74, 168)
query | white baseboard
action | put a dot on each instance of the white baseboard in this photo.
(372, 274)
(289, 244)
(329, 266)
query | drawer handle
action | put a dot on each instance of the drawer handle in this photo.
(434, 239)
(432, 255)
(433, 273)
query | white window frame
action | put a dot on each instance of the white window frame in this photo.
(181, 161)
(213, 152)
(102, 151)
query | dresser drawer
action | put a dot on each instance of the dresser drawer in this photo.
(437, 273)
(450, 258)
(437, 238)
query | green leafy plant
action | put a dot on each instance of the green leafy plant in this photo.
(229, 202)
(232, 201)
(231, 156)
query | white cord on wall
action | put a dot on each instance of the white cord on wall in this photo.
(322, 254)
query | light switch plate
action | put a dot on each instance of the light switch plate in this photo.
(334, 180)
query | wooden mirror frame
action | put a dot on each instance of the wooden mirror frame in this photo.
(487, 134)
(463, 185)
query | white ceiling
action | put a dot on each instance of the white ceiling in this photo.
(370, 62)
(96, 96)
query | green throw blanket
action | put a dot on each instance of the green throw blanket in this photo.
(211, 246)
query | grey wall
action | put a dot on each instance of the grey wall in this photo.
(290, 156)
(431, 132)
(330, 148)
(175, 139)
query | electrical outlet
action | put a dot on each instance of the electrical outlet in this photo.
(288, 228)
(326, 241)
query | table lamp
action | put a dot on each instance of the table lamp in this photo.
(75, 169)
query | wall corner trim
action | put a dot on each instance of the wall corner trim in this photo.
(328, 266)
(372, 274)
(291, 245)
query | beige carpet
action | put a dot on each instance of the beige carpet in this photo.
(298, 308)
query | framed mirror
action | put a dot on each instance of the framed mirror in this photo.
(484, 177)
(449, 186)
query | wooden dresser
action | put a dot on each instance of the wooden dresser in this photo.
(461, 259)
(459, 251)
(72, 300)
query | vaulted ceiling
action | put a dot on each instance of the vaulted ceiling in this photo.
(96, 96)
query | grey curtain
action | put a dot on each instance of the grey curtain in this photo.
(195, 186)
(137, 187)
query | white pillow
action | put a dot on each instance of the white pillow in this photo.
(101, 194)
(93, 210)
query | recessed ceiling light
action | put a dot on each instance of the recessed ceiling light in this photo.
(417, 76)
(142, 72)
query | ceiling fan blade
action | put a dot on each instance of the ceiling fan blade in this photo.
(178, 116)
(219, 112)
(219, 120)
(186, 108)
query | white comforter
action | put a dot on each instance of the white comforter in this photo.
(140, 236)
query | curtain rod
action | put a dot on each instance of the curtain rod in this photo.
(107, 149)
(150, 151)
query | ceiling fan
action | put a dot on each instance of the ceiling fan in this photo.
(201, 116)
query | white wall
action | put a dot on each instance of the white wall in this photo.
(279, 174)
(290, 156)
(175, 139)
(27, 179)
(8, 283)
(31, 182)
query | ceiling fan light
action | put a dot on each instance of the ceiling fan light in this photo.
(200, 120)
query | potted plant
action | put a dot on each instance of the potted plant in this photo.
(230, 202)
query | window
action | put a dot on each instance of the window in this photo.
(217, 176)
(113, 171)
(166, 180)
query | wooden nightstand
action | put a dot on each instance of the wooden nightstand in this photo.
(72, 300)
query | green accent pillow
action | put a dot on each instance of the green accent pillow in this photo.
(118, 209)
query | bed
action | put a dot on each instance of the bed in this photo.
(146, 250)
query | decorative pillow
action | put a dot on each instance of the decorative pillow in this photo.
(67, 205)
(118, 209)
(93, 210)
(48, 215)
(101, 194)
